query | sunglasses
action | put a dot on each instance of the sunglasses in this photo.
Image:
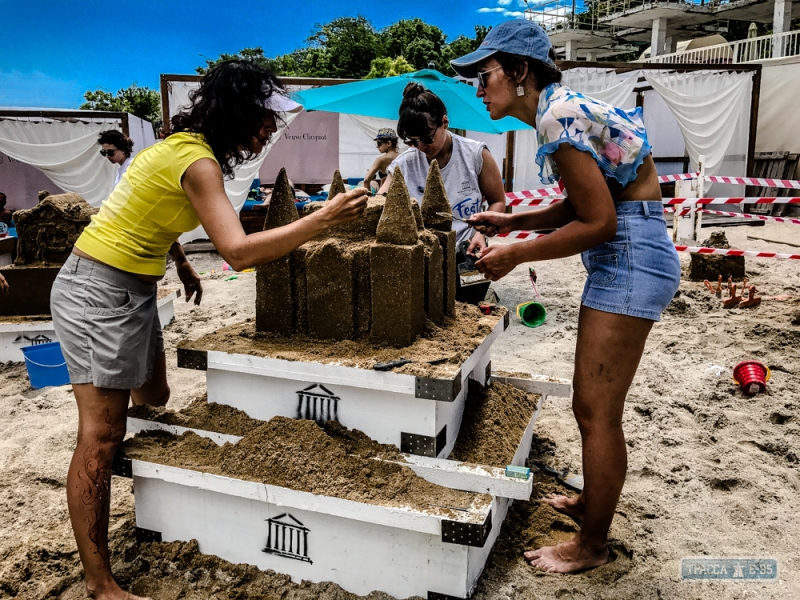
(425, 139)
(483, 76)
(108, 152)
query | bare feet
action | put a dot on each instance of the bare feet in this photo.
(572, 507)
(111, 592)
(568, 557)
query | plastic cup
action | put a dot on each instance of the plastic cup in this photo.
(751, 376)
(532, 314)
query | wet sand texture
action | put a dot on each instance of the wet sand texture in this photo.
(275, 280)
(48, 231)
(397, 224)
(710, 266)
(329, 281)
(447, 240)
(434, 277)
(435, 201)
(337, 185)
(378, 278)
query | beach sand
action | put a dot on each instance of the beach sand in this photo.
(710, 471)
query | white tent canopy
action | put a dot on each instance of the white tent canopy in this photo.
(65, 149)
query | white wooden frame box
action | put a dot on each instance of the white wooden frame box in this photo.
(418, 415)
(361, 547)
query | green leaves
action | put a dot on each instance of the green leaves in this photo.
(140, 101)
(351, 47)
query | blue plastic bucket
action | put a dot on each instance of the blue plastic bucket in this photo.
(46, 365)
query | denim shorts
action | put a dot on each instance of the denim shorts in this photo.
(638, 272)
(107, 323)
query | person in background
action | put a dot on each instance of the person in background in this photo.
(387, 145)
(469, 171)
(5, 215)
(103, 301)
(613, 218)
(117, 148)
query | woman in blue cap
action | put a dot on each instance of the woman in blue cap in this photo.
(613, 218)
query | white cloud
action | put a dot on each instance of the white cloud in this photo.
(503, 2)
(491, 10)
(504, 11)
(37, 89)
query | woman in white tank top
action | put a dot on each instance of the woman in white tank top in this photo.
(469, 171)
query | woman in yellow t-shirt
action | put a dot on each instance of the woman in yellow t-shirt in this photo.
(104, 298)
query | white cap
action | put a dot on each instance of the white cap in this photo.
(280, 103)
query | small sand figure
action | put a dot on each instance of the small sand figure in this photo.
(718, 291)
(709, 287)
(752, 299)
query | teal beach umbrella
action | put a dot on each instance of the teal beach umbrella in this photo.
(382, 97)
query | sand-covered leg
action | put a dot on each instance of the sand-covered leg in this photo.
(102, 415)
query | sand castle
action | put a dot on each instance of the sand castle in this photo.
(379, 277)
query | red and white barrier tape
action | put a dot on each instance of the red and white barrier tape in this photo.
(677, 177)
(750, 216)
(535, 201)
(753, 253)
(540, 193)
(747, 200)
(759, 181)
(522, 235)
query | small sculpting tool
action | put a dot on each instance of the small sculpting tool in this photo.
(481, 223)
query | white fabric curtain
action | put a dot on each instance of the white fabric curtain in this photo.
(67, 152)
(237, 188)
(603, 84)
(711, 108)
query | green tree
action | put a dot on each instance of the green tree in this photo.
(255, 55)
(389, 67)
(459, 47)
(414, 39)
(345, 47)
(136, 100)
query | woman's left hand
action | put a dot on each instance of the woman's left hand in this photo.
(477, 245)
(190, 280)
(496, 262)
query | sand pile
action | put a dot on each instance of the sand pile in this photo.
(200, 414)
(495, 418)
(299, 455)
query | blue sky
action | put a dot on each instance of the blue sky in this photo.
(54, 51)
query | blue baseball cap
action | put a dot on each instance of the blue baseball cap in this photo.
(520, 37)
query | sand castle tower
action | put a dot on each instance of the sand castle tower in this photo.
(379, 277)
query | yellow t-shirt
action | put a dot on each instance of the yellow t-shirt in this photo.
(148, 209)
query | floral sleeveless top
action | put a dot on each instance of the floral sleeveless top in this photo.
(615, 137)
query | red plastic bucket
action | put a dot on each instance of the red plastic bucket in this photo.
(751, 376)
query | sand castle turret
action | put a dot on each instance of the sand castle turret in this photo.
(337, 185)
(379, 277)
(435, 202)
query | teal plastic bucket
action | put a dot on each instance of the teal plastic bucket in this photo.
(46, 365)
(531, 314)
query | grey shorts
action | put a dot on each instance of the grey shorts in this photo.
(107, 323)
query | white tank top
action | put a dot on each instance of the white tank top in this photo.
(460, 177)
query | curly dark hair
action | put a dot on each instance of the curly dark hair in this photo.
(543, 73)
(117, 139)
(229, 109)
(420, 111)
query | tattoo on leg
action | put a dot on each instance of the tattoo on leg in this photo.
(95, 495)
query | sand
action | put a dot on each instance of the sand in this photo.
(711, 472)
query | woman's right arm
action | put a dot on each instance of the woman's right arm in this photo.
(373, 170)
(203, 183)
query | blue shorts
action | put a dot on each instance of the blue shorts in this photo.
(638, 272)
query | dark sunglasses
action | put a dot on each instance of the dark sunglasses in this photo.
(425, 139)
(483, 76)
(108, 152)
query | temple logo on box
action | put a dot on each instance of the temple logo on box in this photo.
(317, 403)
(287, 537)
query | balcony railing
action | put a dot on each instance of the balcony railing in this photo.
(741, 51)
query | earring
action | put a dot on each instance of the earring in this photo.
(520, 90)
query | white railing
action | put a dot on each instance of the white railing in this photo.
(741, 51)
